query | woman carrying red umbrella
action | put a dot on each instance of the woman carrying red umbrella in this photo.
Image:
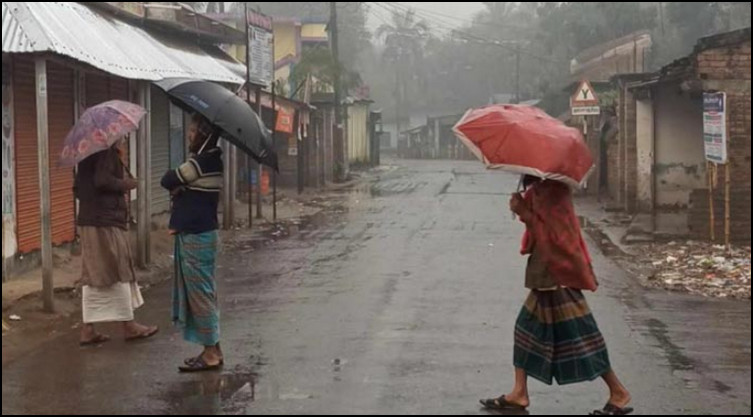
(556, 336)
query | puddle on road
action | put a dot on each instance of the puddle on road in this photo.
(213, 393)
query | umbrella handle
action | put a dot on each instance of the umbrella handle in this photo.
(201, 150)
(210, 137)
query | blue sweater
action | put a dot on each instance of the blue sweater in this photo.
(195, 187)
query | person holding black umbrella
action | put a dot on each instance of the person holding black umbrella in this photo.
(195, 187)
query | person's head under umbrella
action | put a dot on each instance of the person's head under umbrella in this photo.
(202, 136)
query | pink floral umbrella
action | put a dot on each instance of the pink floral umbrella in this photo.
(99, 128)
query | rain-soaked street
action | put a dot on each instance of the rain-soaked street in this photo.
(399, 299)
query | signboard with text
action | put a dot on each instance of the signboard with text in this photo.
(715, 127)
(261, 49)
(584, 102)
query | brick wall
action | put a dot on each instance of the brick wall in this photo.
(699, 217)
(738, 105)
(729, 64)
(623, 161)
(613, 175)
(630, 154)
(620, 166)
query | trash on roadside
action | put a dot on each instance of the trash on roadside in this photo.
(698, 268)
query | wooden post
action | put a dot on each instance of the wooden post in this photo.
(727, 183)
(712, 220)
(144, 151)
(727, 179)
(227, 199)
(258, 192)
(252, 167)
(43, 154)
(274, 146)
(299, 149)
(250, 191)
(233, 181)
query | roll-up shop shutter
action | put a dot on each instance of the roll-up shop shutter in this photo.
(60, 102)
(160, 198)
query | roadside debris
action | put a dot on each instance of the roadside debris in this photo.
(699, 268)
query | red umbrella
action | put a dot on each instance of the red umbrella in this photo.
(525, 140)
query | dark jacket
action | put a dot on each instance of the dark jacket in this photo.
(195, 188)
(101, 191)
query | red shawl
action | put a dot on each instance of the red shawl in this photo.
(554, 230)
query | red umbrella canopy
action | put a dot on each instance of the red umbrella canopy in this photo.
(526, 140)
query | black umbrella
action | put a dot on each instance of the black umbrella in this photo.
(240, 125)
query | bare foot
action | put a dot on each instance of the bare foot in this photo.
(620, 399)
(518, 399)
(90, 337)
(510, 401)
(134, 331)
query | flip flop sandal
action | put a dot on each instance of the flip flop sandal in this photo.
(98, 339)
(501, 404)
(612, 410)
(189, 361)
(146, 335)
(199, 365)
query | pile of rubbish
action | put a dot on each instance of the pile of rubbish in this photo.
(699, 268)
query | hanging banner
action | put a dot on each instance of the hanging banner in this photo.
(285, 120)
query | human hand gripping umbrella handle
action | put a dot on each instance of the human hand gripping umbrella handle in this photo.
(518, 190)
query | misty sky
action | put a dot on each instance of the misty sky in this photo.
(440, 15)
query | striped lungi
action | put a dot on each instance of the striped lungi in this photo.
(556, 337)
(195, 305)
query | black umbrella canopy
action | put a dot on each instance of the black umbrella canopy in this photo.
(240, 125)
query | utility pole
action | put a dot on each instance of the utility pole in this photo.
(397, 104)
(144, 157)
(43, 154)
(517, 74)
(249, 164)
(661, 17)
(229, 192)
(339, 131)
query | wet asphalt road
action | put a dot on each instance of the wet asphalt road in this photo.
(401, 299)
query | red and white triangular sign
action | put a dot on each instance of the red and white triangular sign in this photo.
(585, 95)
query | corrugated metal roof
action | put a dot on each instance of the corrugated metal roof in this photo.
(14, 38)
(111, 45)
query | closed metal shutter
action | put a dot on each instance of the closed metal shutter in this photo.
(60, 96)
(160, 198)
